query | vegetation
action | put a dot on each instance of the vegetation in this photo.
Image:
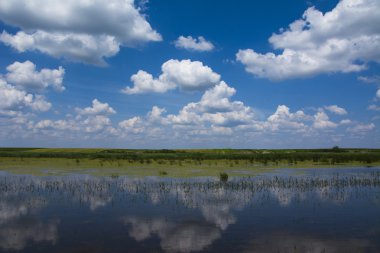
(223, 177)
(331, 156)
(180, 162)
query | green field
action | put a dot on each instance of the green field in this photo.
(177, 162)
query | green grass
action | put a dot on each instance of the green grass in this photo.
(177, 163)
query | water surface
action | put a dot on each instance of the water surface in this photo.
(313, 210)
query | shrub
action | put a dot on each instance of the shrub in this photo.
(223, 177)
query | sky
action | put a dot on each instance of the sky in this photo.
(190, 74)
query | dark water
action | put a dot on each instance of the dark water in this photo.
(329, 210)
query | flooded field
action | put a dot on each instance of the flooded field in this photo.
(312, 210)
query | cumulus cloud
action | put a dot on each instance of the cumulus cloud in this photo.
(25, 76)
(85, 48)
(193, 44)
(321, 43)
(89, 120)
(214, 115)
(78, 30)
(14, 99)
(214, 108)
(336, 109)
(185, 74)
(284, 119)
(97, 108)
(321, 121)
(378, 94)
(22, 86)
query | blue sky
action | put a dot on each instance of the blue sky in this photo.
(189, 74)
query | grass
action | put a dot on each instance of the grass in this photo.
(177, 163)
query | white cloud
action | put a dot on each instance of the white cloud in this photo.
(91, 124)
(370, 79)
(284, 119)
(143, 82)
(89, 120)
(97, 108)
(57, 125)
(361, 128)
(12, 98)
(133, 125)
(25, 76)
(214, 108)
(22, 85)
(374, 108)
(193, 44)
(378, 93)
(79, 30)
(345, 122)
(336, 109)
(85, 48)
(189, 75)
(342, 40)
(321, 121)
(185, 74)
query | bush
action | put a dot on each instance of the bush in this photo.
(223, 177)
(162, 173)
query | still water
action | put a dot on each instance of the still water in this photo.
(324, 210)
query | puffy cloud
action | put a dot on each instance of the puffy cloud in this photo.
(361, 128)
(215, 108)
(89, 120)
(336, 109)
(25, 76)
(345, 122)
(22, 85)
(321, 121)
(321, 43)
(378, 94)
(193, 44)
(97, 108)
(185, 74)
(76, 47)
(57, 125)
(284, 119)
(143, 82)
(189, 75)
(134, 125)
(12, 99)
(76, 29)
(93, 124)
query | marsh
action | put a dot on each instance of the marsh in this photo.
(284, 210)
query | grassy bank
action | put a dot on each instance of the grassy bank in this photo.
(178, 162)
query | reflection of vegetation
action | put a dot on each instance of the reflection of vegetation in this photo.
(155, 206)
(99, 191)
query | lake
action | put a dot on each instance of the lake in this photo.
(299, 210)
